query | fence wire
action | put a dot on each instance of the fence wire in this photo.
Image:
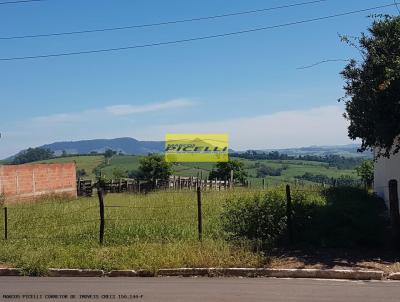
(141, 213)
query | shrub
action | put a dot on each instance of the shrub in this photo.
(352, 217)
(335, 217)
(259, 218)
(264, 171)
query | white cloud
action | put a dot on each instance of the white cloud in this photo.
(112, 111)
(131, 109)
(316, 126)
(298, 128)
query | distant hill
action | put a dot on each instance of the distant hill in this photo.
(349, 150)
(125, 145)
(128, 145)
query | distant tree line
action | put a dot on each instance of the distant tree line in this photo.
(333, 160)
(264, 170)
(343, 180)
(31, 155)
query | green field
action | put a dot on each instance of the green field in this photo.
(123, 163)
(142, 231)
(294, 168)
(127, 163)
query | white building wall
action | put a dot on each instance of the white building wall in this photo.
(386, 169)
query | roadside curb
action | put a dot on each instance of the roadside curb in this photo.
(55, 272)
(185, 272)
(122, 273)
(218, 272)
(394, 276)
(10, 272)
(275, 273)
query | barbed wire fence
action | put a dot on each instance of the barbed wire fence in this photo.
(108, 215)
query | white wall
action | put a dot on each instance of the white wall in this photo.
(385, 170)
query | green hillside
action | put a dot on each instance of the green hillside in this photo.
(293, 168)
(124, 163)
(88, 163)
(289, 168)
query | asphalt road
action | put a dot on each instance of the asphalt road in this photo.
(194, 289)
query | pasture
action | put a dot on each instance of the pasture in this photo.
(292, 168)
(141, 231)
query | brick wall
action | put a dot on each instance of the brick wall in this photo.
(21, 182)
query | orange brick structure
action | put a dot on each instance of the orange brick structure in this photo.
(28, 181)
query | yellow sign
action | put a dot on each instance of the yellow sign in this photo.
(196, 147)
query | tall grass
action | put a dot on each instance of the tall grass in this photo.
(141, 231)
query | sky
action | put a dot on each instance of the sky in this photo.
(245, 85)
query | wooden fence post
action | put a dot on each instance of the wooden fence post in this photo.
(231, 180)
(5, 224)
(289, 213)
(78, 186)
(263, 182)
(199, 214)
(101, 206)
(394, 211)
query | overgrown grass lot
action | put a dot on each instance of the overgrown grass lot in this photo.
(159, 230)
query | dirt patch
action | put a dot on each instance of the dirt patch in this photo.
(387, 261)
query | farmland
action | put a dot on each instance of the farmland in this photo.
(290, 168)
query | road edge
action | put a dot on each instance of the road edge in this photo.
(217, 272)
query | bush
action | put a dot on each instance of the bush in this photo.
(264, 171)
(258, 218)
(351, 217)
(335, 217)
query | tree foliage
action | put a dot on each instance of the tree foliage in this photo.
(366, 172)
(109, 153)
(372, 87)
(81, 173)
(333, 160)
(154, 167)
(32, 154)
(264, 170)
(223, 171)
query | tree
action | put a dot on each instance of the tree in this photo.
(64, 153)
(223, 171)
(263, 171)
(33, 154)
(108, 154)
(81, 173)
(154, 167)
(118, 173)
(366, 172)
(372, 87)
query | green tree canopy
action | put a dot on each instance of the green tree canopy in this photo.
(366, 172)
(372, 88)
(154, 167)
(109, 153)
(223, 171)
(32, 154)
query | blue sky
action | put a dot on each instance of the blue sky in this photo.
(247, 85)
